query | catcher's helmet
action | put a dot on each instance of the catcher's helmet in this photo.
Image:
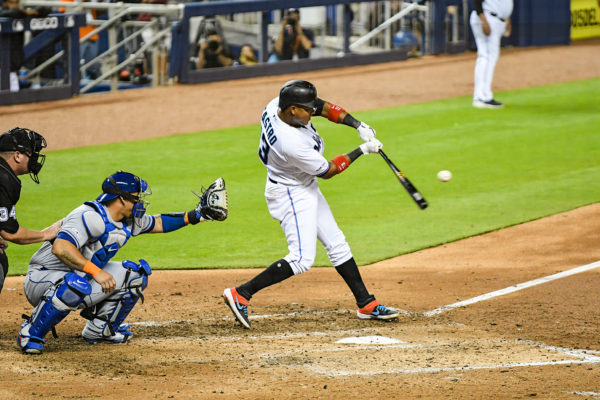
(28, 142)
(123, 184)
(301, 93)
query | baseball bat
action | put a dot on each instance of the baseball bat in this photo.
(410, 188)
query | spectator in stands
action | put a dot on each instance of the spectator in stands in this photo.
(214, 52)
(247, 55)
(13, 9)
(293, 40)
(88, 49)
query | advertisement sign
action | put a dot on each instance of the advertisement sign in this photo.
(585, 19)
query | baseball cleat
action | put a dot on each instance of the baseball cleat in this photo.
(238, 305)
(122, 335)
(487, 104)
(27, 343)
(374, 310)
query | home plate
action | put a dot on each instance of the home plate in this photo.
(369, 340)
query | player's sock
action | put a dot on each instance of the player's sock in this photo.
(275, 273)
(349, 271)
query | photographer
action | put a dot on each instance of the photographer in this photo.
(293, 40)
(214, 52)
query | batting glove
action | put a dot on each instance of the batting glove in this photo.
(365, 132)
(372, 146)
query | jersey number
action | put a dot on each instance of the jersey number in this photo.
(5, 215)
(263, 149)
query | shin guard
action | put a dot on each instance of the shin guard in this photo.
(53, 308)
(106, 318)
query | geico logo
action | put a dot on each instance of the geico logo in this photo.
(37, 24)
(584, 17)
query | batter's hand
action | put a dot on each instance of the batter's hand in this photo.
(106, 280)
(365, 132)
(372, 146)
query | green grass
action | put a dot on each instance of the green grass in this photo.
(537, 157)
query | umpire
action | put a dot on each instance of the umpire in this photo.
(19, 154)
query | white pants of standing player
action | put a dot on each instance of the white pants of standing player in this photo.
(488, 52)
(305, 216)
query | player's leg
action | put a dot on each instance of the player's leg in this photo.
(295, 209)
(481, 40)
(341, 258)
(107, 312)
(58, 300)
(497, 28)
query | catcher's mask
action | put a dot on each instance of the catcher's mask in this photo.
(123, 184)
(301, 93)
(27, 142)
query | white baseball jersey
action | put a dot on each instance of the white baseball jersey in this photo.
(502, 8)
(293, 156)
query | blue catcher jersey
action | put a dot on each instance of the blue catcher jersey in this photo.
(97, 236)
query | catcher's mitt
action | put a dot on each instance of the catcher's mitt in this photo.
(213, 201)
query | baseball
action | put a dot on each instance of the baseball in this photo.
(444, 175)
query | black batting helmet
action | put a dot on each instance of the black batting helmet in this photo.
(300, 93)
(28, 142)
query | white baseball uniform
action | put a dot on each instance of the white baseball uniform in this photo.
(496, 12)
(294, 159)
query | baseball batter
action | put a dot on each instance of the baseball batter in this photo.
(292, 152)
(75, 271)
(489, 20)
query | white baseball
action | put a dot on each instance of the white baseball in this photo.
(444, 175)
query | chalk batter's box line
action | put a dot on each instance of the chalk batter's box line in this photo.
(512, 289)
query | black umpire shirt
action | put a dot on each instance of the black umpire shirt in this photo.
(10, 192)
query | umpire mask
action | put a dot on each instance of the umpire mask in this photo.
(28, 142)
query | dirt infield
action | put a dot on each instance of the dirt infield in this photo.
(540, 341)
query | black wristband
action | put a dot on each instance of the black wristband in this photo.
(351, 121)
(319, 104)
(193, 217)
(354, 154)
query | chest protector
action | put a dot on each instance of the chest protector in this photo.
(102, 248)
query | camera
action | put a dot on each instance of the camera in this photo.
(291, 21)
(213, 45)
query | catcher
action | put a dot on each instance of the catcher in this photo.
(75, 270)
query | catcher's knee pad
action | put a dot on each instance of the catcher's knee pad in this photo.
(106, 318)
(56, 304)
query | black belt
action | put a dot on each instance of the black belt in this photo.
(273, 181)
(496, 15)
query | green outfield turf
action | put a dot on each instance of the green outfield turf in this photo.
(537, 157)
